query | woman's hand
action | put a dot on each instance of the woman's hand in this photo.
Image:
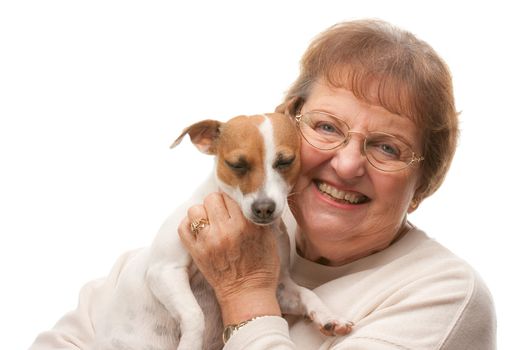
(239, 259)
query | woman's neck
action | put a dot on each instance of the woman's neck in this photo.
(342, 253)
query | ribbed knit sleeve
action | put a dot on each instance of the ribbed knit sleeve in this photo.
(263, 333)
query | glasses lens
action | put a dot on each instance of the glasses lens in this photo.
(387, 152)
(322, 130)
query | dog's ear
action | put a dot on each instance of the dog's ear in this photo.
(290, 107)
(202, 134)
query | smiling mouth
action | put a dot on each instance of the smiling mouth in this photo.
(341, 196)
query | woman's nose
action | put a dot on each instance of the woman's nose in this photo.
(349, 161)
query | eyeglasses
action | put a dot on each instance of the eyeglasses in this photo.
(383, 151)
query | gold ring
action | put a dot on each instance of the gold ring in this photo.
(197, 225)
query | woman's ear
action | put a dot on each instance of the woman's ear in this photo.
(414, 203)
(417, 198)
(419, 194)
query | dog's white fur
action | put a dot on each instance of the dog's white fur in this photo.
(161, 298)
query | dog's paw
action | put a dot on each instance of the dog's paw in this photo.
(336, 328)
(331, 326)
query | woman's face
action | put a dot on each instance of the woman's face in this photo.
(335, 231)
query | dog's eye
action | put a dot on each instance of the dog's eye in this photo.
(283, 163)
(240, 167)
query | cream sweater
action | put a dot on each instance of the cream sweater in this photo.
(413, 295)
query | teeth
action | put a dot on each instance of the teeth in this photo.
(341, 195)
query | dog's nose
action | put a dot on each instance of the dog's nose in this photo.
(263, 208)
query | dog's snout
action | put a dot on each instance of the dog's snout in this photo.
(263, 209)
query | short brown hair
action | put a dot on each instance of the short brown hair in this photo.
(384, 65)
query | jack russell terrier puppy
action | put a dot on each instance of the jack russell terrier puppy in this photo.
(161, 299)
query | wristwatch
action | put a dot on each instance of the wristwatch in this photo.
(232, 328)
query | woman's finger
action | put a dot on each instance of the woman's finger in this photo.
(225, 217)
(215, 206)
(194, 225)
(233, 208)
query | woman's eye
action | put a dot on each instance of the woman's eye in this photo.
(386, 147)
(385, 150)
(389, 149)
(326, 127)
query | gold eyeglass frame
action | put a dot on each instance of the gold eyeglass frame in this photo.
(414, 160)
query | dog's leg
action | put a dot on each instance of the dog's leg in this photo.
(297, 300)
(170, 284)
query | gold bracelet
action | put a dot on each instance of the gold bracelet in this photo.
(232, 328)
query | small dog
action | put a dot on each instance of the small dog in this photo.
(161, 298)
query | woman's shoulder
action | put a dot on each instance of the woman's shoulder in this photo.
(418, 252)
(451, 280)
(417, 287)
(413, 272)
(418, 257)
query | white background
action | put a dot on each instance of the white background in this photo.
(92, 93)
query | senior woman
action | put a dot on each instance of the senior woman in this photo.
(374, 106)
(375, 109)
